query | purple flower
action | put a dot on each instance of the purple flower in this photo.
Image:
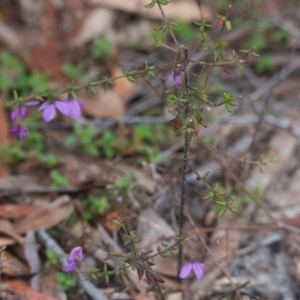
(49, 109)
(196, 266)
(70, 107)
(176, 75)
(177, 79)
(20, 130)
(75, 107)
(20, 111)
(75, 255)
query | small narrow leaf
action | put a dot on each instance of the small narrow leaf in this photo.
(223, 211)
(151, 4)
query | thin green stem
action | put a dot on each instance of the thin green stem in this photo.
(168, 24)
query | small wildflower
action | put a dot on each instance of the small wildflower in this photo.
(70, 107)
(177, 79)
(176, 76)
(196, 266)
(20, 130)
(75, 255)
(49, 109)
(20, 111)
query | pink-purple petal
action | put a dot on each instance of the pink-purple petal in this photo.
(75, 109)
(49, 112)
(14, 114)
(15, 129)
(80, 104)
(63, 107)
(70, 267)
(23, 111)
(75, 253)
(23, 132)
(32, 102)
(44, 106)
(19, 129)
(185, 270)
(177, 79)
(198, 269)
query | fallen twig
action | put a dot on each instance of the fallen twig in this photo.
(87, 286)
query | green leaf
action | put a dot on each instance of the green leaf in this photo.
(101, 48)
(73, 71)
(164, 2)
(228, 25)
(159, 40)
(164, 244)
(91, 149)
(91, 89)
(223, 211)
(234, 210)
(131, 79)
(151, 4)
(205, 175)
(264, 63)
(220, 203)
(58, 179)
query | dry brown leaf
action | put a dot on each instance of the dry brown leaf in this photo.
(96, 22)
(146, 181)
(5, 241)
(81, 173)
(8, 229)
(185, 10)
(102, 105)
(176, 295)
(12, 39)
(152, 228)
(13, 266)
(47, 44)
(4, 136)
(15, 211)
(48, 216)
(292, 221)
(137, 295)
(23, 291)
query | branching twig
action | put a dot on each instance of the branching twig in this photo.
(257, 201)
(168, 24)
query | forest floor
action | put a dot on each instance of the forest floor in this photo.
(69, 183)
